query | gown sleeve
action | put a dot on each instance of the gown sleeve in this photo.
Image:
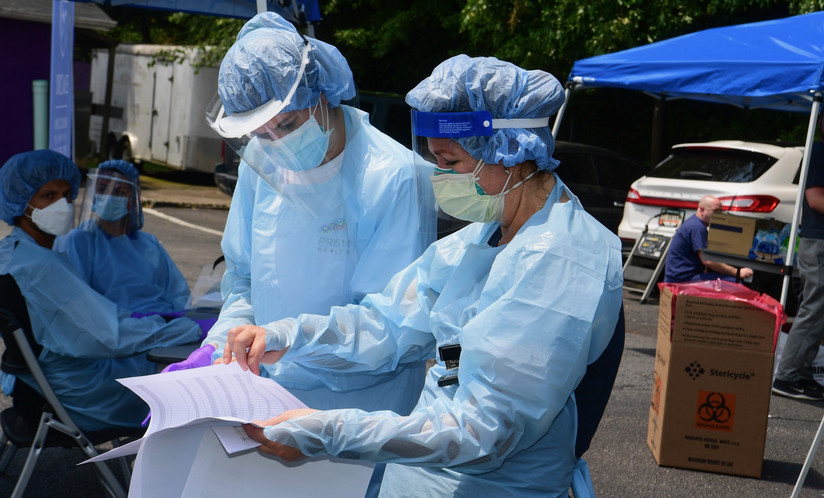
(69, 318)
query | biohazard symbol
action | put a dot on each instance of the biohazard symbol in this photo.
(694, 370)
(715, 409)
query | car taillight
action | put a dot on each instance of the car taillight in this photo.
(634, 197)
(223, 151)
(749, 203)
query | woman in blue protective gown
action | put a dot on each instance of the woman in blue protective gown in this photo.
(530, 293)
(111, 252)
(325, 209)
(88, 341)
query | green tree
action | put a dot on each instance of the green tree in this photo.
(391, 46)
(552, 34)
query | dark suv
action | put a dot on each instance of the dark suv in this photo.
(599, 177)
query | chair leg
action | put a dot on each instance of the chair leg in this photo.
(7, 450)
(8, 456)
(109, 480)
(34, 453)
(104, 473)
(123, 463)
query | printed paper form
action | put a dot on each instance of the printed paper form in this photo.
(218, 395)
(222, 391)
(182, 453)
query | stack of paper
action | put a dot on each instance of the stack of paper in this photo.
(194, 445)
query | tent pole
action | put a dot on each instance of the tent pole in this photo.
(799, 198)
(560, 114)
(261, 6)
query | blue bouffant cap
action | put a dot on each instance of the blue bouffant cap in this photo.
(265, 60)
(463, 84)
(23, 175)
(124, 167)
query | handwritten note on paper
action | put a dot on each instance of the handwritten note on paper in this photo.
(234, 439)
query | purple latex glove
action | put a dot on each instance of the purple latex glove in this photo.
(205, 324)
(200, 357)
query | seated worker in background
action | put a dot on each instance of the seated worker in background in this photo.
(529, 295)
(685, 262)
(88, 341)
(325, 209)
(110, 252)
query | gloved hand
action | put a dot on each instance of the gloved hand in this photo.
(200, 357)
(205, 324)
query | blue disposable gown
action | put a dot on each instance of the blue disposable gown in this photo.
(88, 341)
(134, 270)
(529, 317)
(278, 264)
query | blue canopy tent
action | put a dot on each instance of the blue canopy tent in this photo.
(775, 64)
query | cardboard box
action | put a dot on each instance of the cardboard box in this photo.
(711, 389)
(735, 235)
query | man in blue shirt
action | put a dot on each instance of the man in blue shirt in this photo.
(685, 263)
(794, 377)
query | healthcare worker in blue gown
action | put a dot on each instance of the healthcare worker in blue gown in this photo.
(325, 209)
(530, 293)
(88, 341)
(111, 252)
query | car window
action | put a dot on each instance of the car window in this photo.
(715, 165)
(615, 172)
(575, 169)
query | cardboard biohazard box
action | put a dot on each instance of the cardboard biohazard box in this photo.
(713, 374)
(752, 238)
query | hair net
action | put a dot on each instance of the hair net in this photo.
(124, 167)
(264, 61)
(24, 174)
(465, 84)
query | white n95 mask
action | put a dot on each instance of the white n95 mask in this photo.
(54, 219)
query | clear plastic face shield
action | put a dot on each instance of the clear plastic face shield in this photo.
(289, 150)
(442, 138)
(112, 202)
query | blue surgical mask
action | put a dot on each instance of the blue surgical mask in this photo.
(110, 207)
(302, 149)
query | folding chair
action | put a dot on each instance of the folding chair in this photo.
(55, 427)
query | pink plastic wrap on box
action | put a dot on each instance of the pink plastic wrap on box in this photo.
(721, 289)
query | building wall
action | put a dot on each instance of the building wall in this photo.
(24, 57)
(25, 54)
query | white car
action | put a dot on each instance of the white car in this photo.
(750, 179)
